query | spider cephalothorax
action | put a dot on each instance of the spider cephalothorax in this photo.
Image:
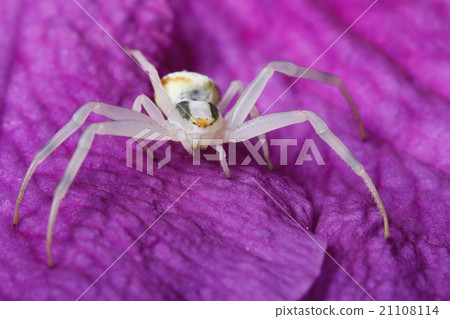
(189, 110)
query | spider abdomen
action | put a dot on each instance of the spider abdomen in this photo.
(190, 86)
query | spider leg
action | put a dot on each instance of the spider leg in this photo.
(222, 158)
(119, 128)
(143, 101)
(110, 111)
(234, 88)
(161, 97)
(243, 106)
(254, 113)
(270, 122)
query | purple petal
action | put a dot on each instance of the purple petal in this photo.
(227, 239)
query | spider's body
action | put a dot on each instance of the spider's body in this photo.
(195, 97)
(189, 109)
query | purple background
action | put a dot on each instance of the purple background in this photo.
(226, 239)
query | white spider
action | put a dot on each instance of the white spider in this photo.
(188, 109)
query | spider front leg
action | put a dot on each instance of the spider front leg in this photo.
(80, 116)
(267, 123)
(137, 55)
(118, 128)
(242, 108)
(161, 97)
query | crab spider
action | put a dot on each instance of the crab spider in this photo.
(188, 109)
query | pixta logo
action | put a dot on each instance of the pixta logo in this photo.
(142, 141)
